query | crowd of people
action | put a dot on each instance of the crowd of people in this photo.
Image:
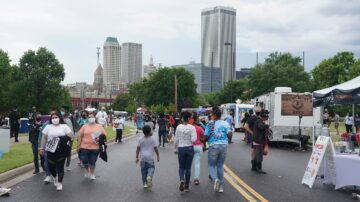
(52, 140)
(190, 134)
(194, 136)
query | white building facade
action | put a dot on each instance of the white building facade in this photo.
(112, 64)
(131, 62)
(218, 40)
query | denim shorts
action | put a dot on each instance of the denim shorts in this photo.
(89, 157)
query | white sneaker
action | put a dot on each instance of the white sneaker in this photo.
(149, 181)
(68, 168)
(4, 191)
(59, 186)
(221, 190)
(48, 179)
(216, 185)
(145, 185)
(92, 177)
(87, 175)
(56, 182)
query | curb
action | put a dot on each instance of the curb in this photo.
(11, 174)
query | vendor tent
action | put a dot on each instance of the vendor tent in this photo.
(344, 93)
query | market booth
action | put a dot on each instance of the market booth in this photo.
(342, 166)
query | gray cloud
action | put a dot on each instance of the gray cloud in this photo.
(170, 30)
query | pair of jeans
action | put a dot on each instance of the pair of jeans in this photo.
(348, 128)
(185, 157)
(216, 160)
(44, 164)
(147, 169)
(56, 163)
(118, 135)
(259, 153)
(35, 150)
(198, 150)
(89, 157)
(162, 134)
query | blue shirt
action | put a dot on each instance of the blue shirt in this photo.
(229, 119)
(217, 132)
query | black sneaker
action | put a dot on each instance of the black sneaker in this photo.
(196, 182)
(182, 186)
(186, 189)
(36, 172)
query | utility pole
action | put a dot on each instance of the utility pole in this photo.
(175, 96)
(211, 73)
(232, 69)
(257, 58)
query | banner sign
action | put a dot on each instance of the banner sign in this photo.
(315, 160)
(296, 105)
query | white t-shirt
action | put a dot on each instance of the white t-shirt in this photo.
(52, 130)
(120, 123)
(101, 117)
(185, 135)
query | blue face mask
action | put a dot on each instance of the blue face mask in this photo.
(62, 113)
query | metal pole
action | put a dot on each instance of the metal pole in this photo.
(211, 73)
(257, 58)
(175, 97)
(353, 114)
(232, 69)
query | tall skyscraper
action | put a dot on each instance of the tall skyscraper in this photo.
(112, 64)
(131, 62)
(218, 40)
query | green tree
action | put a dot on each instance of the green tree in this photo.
(333, 70)
(39, 76)
(354, 70)
(5, 80)
(131, 108)
(236, 88)
(122, 101)
(137, 91)
(278, 70)
(159, 87)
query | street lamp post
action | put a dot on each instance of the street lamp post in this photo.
(232, 67)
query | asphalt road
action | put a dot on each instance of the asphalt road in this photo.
(120, 179)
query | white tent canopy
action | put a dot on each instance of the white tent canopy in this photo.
(346, 86)
(344, 93)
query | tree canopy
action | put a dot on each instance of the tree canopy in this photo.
(337, 69)
(279, 69)
(35, 82)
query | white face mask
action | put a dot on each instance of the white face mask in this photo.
(91, 120)
(55, 121)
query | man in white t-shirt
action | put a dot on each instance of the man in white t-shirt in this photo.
(101, 117)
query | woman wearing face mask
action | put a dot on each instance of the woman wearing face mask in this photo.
(57, 136)
(88, 146)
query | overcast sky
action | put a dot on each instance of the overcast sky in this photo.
(170, 30)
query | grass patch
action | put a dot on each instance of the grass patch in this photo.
(21, 153)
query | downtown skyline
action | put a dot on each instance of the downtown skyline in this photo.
(170, 31)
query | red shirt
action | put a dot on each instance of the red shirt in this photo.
(199, 133)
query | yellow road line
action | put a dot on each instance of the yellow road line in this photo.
(242, 183)
(238, 188)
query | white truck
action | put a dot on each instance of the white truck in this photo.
(238, 112)
(290, 112)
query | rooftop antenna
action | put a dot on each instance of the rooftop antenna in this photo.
(98, 56)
